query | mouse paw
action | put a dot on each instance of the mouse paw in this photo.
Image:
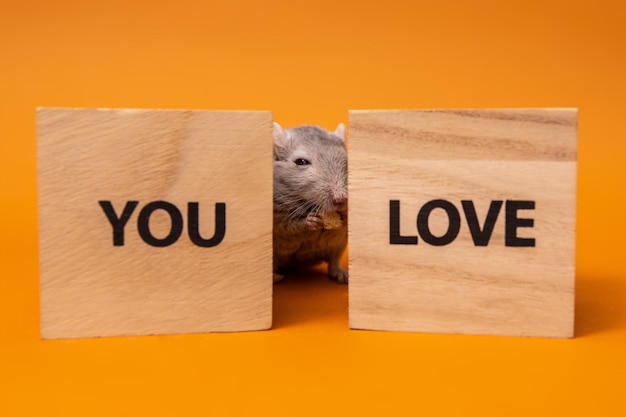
(278, 277)
(338, 274)
(314, 222)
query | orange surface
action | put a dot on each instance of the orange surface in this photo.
(311, 62)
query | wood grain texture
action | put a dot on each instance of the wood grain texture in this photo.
(89, 287)
(509, 135)
(478, 155)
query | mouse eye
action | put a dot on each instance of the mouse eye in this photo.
(302, 162)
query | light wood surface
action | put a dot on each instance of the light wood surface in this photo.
(480, 156)
(90, 287)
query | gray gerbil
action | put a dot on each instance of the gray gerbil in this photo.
(310, 185)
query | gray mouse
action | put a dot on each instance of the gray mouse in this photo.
(310, 199)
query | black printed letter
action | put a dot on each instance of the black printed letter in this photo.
(481, 237)
(193, 227)
(394, 226)
(454, 225)
(513, 222)
(118, 223)
(143, 223)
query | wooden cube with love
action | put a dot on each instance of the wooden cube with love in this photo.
(463, 221)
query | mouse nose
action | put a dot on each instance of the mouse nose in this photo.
(338, 199)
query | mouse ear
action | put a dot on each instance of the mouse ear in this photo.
(280, 142)
(341, 131)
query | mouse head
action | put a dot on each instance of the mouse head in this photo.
(310, 166)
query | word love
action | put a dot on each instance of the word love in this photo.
(118, 223)
(481, 234)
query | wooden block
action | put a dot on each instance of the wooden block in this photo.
(154, 222)
(463, 221)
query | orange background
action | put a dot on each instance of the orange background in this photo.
(309, 62)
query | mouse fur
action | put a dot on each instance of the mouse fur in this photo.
(310, 182)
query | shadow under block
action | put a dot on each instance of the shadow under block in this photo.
(154, 221)
(463, 221)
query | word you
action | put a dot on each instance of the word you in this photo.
(118, 223)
